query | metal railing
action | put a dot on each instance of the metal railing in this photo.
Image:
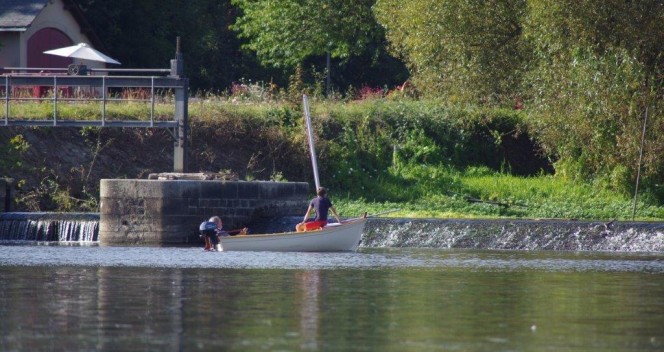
(97, 89)
(98, 83)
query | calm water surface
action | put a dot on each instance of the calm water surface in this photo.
(57, 298)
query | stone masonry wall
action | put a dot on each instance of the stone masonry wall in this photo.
(168, 212)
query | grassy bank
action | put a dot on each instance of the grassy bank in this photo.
(439, 193)
(423, 158)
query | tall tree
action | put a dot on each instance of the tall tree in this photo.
(284, 33)
(212, 49)
(598, 66)
(288, 33)
(463, 50)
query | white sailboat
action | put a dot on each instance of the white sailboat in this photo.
(334, 237)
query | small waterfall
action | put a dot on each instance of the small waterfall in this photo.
(515, 234)
(387, 232)
(50, 227)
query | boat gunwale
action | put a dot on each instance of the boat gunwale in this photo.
(294, 233)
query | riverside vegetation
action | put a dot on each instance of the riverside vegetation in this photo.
(422, 157)
(517, 109)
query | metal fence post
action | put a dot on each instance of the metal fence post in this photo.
(181, 112)
(181, 116)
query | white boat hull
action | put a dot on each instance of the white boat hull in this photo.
(344, 237)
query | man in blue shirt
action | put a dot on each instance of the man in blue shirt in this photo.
(321, 204)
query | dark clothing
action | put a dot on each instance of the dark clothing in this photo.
(322, 206)
(210, 231)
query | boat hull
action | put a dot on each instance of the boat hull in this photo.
(344, 237)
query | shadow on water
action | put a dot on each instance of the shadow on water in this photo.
(74, 228)
(376, 299)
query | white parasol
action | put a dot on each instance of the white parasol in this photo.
(82, 51)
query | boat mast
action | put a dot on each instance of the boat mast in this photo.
(312, 148)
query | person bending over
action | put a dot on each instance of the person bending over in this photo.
(213, 229)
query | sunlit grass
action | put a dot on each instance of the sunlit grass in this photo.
(88, 111)
(487, 194)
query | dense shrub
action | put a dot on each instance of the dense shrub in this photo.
(364, 145)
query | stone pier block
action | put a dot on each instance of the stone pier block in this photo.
(168, 212)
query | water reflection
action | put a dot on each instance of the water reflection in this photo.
(393, 300)
(366, 258)
(309, 312)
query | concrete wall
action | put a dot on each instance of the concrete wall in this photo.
(156, 212)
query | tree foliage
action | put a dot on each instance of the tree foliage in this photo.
(597, 67)
(284, 33)
(463, 50)
(143, 35)
(586, 70)
(212, 48)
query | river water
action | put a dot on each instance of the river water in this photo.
(89, 297)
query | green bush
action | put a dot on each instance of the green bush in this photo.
(368, 142)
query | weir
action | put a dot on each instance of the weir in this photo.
(516, 234)
(50, 227)
(396, 233)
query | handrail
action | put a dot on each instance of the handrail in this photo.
(152, 102)
(89, 69)
(97, 82)
(6, 100)
(55, 100)
(103, 104)
(173, 78)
